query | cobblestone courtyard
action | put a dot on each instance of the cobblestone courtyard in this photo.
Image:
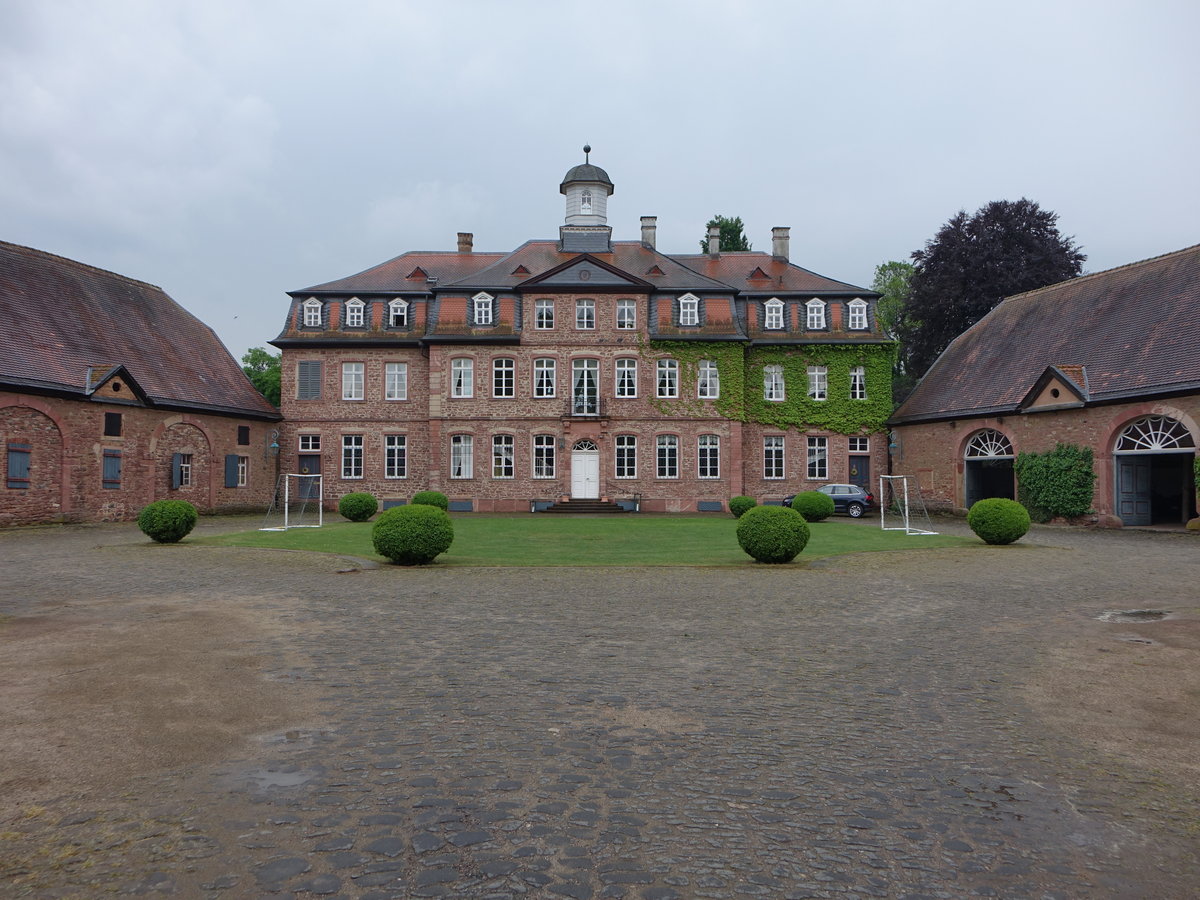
(204, 722)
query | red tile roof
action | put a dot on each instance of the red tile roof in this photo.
(445, 266)
(743, 270)
(63, 318)
(1134, 330)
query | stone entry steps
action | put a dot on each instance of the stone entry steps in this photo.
(585, 507)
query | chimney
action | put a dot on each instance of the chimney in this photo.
(466, 241)
(780, 238)
(649, 229)
(714, 240)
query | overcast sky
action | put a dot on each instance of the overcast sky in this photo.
(232, 151)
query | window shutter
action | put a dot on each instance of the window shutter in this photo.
(18, 465)
(176, 470)
(231, 470)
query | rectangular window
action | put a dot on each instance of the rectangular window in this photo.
(858, 315)
(817, 382)
(816, 315)
(243, 471)
(111, 477)
(689, 311)
(354, 314)
(708, 456)
(544, 378)
(860, 445)
(668, 456)
(818, 457)
(112, 424)
(858, 383)
(773, 314)
(708, 380)
(19, 457)
(461, 456)
(773, 456)
(585, 387)
(483, 309)
(395, 381)
(626, 456)
(773, 383)
(236, 469)
(352, 456)
(312, 314)
(543, 314)
(504, 375)
(310, 443)
(627, 378)
(462, 378)
(585, 314)
(308, 379)
(185, 470)
(543, 455)
(626, 314)
(243, 435)
(395, 456)
(668, 379)
(502, 456)
(352, 381)
(398, 313)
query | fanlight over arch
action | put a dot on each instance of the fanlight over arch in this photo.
(585, 444)
(989, 444)
(1154, 434)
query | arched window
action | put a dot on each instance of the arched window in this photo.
(1154, 434)
(585, 203)
(989, 444)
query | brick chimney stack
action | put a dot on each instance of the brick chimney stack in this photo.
(780, 239)
(714, 240)
(466, 241)
(649, 230)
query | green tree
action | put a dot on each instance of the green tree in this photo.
(262, 368)
(893, 280)
(973, 263)
(732, 234)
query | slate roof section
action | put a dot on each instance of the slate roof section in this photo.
(68, 323)
(782, 277)
(392, 276)
(1135, 330)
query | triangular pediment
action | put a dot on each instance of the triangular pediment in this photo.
(758, 274)
(585, 272)
(520, 270)
(113, 384)
(1058, 387)
(417, 274)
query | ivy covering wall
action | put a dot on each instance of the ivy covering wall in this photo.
(1059, 482)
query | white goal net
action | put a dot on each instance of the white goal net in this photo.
(901, 507)
(297, 504)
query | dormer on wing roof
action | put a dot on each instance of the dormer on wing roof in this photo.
(1058, 387)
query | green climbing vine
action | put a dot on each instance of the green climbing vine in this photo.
(729, 357)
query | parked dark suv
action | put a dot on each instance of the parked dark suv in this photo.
(847, 498)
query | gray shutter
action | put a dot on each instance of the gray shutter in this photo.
(18, 465)
(231, 470)
(176, 470)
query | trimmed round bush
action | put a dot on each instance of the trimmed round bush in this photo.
(167, 521)
(813, 505)
(739, 505)
(412, 535)
(359, 506)
(431, 498)
(772, 534)
(998, 521)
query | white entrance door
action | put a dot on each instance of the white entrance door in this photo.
(585, 473)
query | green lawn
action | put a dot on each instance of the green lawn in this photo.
(544, 540)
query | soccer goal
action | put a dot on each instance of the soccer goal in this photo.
(901, 507)
(297, 504)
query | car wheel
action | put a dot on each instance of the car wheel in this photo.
(855, 510)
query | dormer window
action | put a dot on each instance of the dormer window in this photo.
(354, 313)
(689, 310)
(773, 318)
(398, 314)
(585, 203)
(312, 313)
(483, 308)
(816, 314)
(858, 314)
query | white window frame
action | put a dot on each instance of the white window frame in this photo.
(482, 308)
(666, 457)
(504, 451)
(626, 378)
(774, 458)
(312, 313)
(356, 316)
(353, 381)
(818, 459)
(185, 470)
(708, 456)
(689, 310)
(858, 383)
(395, 381)
(309, 443)
(818, 383)
(545, 377)
(815, 314)
(859, 445)
(243, 471)
(774, 390)
(858, 314)
(585, 314)
(666, 382)
(462, 456)
(504, 377)
(773, 315)
(462, 377)
(585, 203)
(626, 314)
(708, 380)
(398, 313)
(544, 450)
(543, 313)
(395, 456)
(352, 457)
(625, 456)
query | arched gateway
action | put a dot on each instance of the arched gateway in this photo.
(1154, 476)
(987, 467)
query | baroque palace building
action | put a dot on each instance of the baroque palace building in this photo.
(585, 368)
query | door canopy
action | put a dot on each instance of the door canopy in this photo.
(1154, 434)
(989, 444)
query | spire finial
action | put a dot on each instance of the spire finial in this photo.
(587, 149)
